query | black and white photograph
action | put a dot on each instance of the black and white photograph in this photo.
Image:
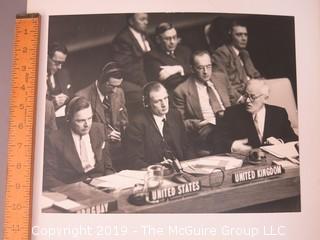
(174, 112)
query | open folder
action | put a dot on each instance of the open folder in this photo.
(207, 165)
(286, 150)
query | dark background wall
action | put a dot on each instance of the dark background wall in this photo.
(88, 38)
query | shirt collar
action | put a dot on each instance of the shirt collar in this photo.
(235, 50)
(101, 96)
(260, 113)
(158, 118)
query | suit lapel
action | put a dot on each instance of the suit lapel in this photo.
(173, 131)
(218, 82)
(267, 123)
(193, 98)
(70, 152)
(251, 130)
(135, 41)
(238, 65)
(97, 105)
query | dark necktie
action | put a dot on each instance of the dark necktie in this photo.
(216, 107)
(107, 108)
(167, 140)
(144, 39)
(251, 71)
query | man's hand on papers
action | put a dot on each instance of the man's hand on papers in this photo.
(240, 146)
(167, 71)
(273, 141)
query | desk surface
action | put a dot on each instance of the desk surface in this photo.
(227, 197)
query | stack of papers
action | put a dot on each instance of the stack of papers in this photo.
(286, 150)
(207, 165)
(120, 180)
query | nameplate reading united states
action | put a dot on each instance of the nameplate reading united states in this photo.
(250, 175)
(175, 191)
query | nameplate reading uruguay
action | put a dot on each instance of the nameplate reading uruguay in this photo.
(247, 176)
(174, 191)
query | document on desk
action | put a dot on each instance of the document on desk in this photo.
(282, 150)
(206, 165)
(121, 180)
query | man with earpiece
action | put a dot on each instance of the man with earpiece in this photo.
(109, 107)
(155, 132)
(78, 151)
(234, 59)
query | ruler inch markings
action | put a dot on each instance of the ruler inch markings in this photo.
(18, 198)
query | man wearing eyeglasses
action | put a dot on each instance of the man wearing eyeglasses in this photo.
(59, 89)
(253, 123)
(202, 100)
(108, 105)
(168, 62)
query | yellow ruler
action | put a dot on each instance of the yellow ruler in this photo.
(18, 198)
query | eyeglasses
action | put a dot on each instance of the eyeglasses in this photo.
(252, 98)
(112, 86)
(56, 62)
(205, 67)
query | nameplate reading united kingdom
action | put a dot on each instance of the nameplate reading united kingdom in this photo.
(250, 175)
(175, 191)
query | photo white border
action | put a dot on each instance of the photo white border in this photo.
(302, 225)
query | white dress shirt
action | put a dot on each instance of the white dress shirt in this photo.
(159, 122)
(91, 160)
(260, 117)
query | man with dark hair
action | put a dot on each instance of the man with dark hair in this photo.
(59, 88)
(129, 48)
(109, 107)
(77, 151)
(253, 123)
(234, 59)
(202, 99)
(156, 131)
(168, 62)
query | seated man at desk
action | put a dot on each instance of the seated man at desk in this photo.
(202, 99)
(78, 151)
(156, 131)
(168, 62)
(253, 123)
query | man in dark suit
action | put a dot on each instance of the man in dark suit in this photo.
(129, 48)
(59, 89)
(157, 131)
(109, 107)
(202, 99)
(168, 62)
(253, 123)
(235, 60)
(78, 151)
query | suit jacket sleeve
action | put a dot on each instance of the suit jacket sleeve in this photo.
(187, 148)
(105, 150)
(51, 169)
(134, 145)
(288, 133)
(220, 62)
(179, 102)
